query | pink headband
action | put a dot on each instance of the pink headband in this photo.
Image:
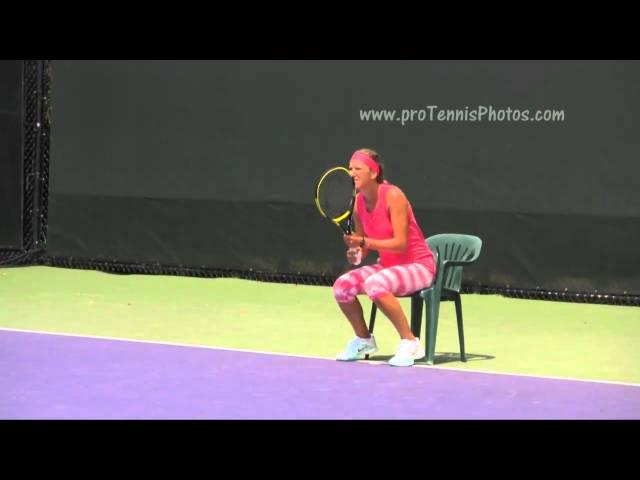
(367, 160)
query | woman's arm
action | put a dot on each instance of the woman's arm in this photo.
(359, 232)
(355, 239)
(399, 212)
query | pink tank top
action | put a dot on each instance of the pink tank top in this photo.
(377, 225)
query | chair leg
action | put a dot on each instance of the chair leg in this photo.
(458, 302)
(416, 315)
(372, 321)
(432, 301)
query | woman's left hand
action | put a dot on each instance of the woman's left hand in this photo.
(352, 240)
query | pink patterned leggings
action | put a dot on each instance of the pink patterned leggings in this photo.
(376, 280)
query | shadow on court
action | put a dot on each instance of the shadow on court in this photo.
(440, 357)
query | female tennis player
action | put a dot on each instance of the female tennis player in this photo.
(384, 222)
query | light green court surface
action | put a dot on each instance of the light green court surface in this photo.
(599, 342)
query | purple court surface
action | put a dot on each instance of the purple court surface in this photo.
(46, 376)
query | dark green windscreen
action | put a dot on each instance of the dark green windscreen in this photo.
(214, 163)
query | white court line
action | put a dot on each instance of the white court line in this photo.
(370, 362)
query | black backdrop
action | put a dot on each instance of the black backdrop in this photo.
(213, 163)
(10, 154)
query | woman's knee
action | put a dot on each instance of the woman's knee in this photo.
(376, 286)
(343, 290)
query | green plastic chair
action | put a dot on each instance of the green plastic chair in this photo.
(452, 252)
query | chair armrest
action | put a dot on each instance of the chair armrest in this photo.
(459, 263)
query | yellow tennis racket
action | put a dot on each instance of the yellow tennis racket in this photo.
(335, 196)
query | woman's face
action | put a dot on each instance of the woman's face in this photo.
(361, 174)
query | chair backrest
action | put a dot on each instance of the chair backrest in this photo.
(453, 247)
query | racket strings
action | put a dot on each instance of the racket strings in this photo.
(335, 194)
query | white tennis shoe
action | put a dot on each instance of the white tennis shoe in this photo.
(408, 351)
(357, 348)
